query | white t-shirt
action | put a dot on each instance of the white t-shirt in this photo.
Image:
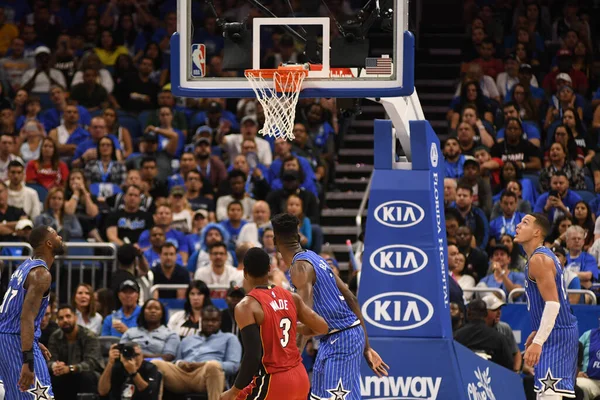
(488, 87)
(42, 82)
(233, 145)
(504, 83)
(27, 199)
(230, 274)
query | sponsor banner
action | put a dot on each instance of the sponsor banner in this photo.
(404, 289)
(439, 369)
(484, 380)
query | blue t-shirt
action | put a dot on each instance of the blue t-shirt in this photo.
(130, 322)
(502, 225)
(172, 236)
(530, 131)
(89, 143)
(569, 201)
(584, 262)
(52, 118)
(518, 278)
(153, 258)
(163, 142)
(455, 169)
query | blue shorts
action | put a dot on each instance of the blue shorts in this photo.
(337, 368)
(557, 370)
(10, 371)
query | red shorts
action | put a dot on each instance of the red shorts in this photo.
(292, 384)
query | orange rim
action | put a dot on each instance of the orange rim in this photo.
(281, 85)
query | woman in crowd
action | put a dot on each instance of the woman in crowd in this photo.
(48, 170)
(58, 217)
(571, 119)
(558, 236)
(187, 322)
(83, 204)
(559, 161)
(470, 92)
(484, 131)
(85, 304)
(152, 334)
(31, 136)
(582, 216)
(114, 128)
(296, 208)
(564, 136)
(528, 110)
(517, 260)
(182, 212)
(105, 169)
(464, 281)
(107, 50)
(511, 172)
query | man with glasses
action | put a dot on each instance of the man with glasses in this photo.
(20, 195)
(129, 376)
(219, 273)
(578, 261)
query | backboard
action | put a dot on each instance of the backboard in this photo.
(355, 48)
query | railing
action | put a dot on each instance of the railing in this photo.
(79, 256)
(363, 205)
(217, 302)
(520, 291)
(497, 291)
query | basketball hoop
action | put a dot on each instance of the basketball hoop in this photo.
(279, 97)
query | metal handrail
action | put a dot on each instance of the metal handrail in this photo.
(363, 205)
(486, 290)
(585, 292)
(166, 286)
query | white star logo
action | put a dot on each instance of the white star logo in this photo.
(549, 382)
(339, 393)
(39, 391)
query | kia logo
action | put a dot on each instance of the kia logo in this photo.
(397, 311)
(398, 259)
(399, 214)
(433, 155)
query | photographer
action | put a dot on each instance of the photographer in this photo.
(128, 375)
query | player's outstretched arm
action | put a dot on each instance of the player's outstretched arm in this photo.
(543, 271)
(37, 283)
(246, 318)
(372, 357)
(313, 324)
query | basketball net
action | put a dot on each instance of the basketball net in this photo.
(278, 90)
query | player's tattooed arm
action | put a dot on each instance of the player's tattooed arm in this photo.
(373, 359)
(37, 284)
(303, 278)
(312, 323)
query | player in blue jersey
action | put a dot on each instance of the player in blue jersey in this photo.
(336, 372)
(23, 366)
(552, 346)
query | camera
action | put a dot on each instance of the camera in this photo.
(126, 350)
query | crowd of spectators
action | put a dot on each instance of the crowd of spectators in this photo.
(94, 144)
(524, 126)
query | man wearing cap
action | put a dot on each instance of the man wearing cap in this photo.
(131, 264)
(235, 294)
(564, 61)
(232, 143)
(454, 160)
(211, 167)
(20, 195)
(214, 121)
(494, 306)
(42, 77)
(480, 338)
(119, 321)
(510, 77)
(501, 277)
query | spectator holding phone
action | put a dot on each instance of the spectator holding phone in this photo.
(128, 375)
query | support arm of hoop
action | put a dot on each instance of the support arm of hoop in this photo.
(402, 110)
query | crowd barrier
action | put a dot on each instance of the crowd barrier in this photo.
(496, 291)
(588, 294)
(80, 264)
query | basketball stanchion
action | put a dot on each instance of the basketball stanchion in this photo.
(404, 287)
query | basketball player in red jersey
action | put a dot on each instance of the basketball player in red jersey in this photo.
(271, 367)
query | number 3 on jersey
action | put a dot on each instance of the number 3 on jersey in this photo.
(285, 324)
